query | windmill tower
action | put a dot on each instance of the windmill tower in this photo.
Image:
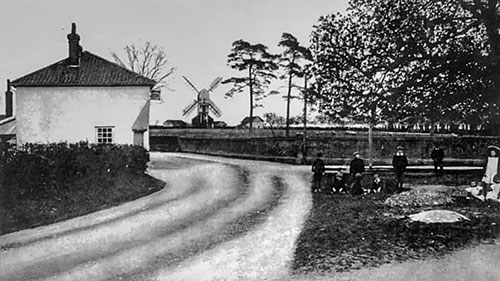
(203, 104)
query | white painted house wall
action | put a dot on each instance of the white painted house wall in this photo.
(255, 125)
(54, 114)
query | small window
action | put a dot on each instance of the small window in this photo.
(155, 95)
(104, 135)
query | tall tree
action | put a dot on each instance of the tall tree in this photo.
(259, 66)
(487, 14)
(393, 60)
(397, 55)
(292, 60)
(149, 60)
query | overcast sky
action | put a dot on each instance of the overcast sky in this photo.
(196, 34)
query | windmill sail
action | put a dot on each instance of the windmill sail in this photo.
(214, 84)
(215, 112)
(190, 108)
(214, 109)
(204, 104)
(191, 84)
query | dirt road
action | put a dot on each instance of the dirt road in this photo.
(217, 219)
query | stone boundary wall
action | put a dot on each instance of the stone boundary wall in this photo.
(468, 150)
(459, 150)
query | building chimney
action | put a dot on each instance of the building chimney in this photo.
(8, 100)
(75, 50)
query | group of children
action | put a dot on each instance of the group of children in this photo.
(490, 183)
(339, 183)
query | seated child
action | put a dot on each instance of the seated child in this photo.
(356, 187)
(376, 184)
(338, 184)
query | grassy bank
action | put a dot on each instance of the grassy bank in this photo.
(345, 233)
(45, 183)
(86, 195)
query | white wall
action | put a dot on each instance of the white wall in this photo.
(54, 114)
(255, 125)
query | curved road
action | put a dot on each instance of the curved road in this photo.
(217, 219)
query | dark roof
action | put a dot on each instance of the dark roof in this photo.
(92, 71)
(8, 126)
(246, 120)
(175, 123)
(220, 124)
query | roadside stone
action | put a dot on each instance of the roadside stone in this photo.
(438, 216)
(419, 198)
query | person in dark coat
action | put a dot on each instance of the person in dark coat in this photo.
(357, 164)
(399, 163)
(437, 156)
(318, 169)
(356, 187)
(356, 169)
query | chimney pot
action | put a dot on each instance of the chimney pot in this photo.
(75, 49)
(8, 101)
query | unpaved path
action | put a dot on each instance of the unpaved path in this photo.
(217, 219)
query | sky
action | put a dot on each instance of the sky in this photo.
(195, 34)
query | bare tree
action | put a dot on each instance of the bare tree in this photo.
(149, 61)
(274, 120)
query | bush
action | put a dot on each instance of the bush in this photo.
(43, 184)
(48, 168)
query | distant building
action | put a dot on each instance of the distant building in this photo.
(220, 124)
(175, 124)
(257, 122)
(82, 98)
(202, 121)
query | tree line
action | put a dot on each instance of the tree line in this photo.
(261, 67)
(385, 60)
(416, 61)
(396, 61)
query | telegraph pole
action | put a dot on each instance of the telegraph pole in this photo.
(304, 133)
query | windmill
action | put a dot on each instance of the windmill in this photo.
(204, 105)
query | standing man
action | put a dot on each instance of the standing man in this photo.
(356, 169)
(318, 169)
(437, 156)
(399, 163)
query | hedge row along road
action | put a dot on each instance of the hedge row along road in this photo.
(216, 219)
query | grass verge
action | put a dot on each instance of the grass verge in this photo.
(86, 195)
(345, 233)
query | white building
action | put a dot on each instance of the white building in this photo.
(82, 98)
(257, 122)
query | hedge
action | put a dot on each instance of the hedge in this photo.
(34, 169)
